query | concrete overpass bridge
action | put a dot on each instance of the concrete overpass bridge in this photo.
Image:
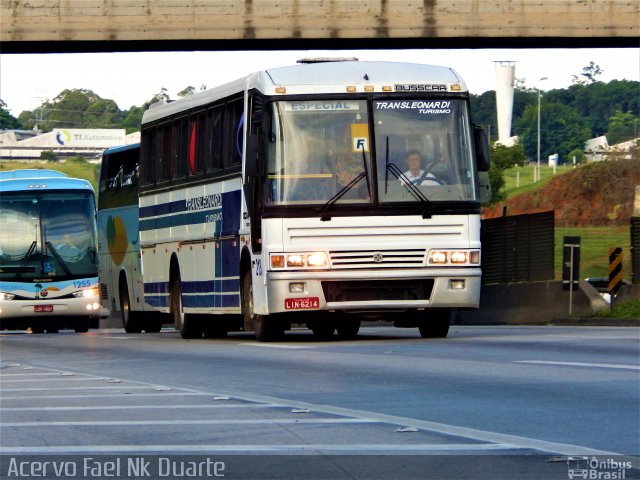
(135, 25)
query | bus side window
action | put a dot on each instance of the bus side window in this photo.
(148, 156)
(180, 148)
(234, 127)
(164, 152)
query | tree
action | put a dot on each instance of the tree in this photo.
(161, 96)
(562, 130)
(502, 158)
(590, 72)
(102, 113)
(133, 119)
(7, 121)
(622, 127)
(190, 90)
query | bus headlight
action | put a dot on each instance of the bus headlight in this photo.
(87, 293)
(299, 260)
(6, 296)
(454, 257)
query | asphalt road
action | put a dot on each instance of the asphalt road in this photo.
(486, 402)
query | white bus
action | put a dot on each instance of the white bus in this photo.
(118, 243)
(48, 259)
(291, 196)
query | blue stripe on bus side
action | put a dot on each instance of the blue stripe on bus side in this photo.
(196, 301)
(175, 216)
(220, 285)
(156, 287)
(156, 300)
(212, 286)
(191, 218)
(209, 301)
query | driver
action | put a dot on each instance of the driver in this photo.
(416, 175)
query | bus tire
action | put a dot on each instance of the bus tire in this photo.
(152, 324)
(322, 329)
(435, 323)
(37, 328)
(130, 320)
(186, 324)
(266, 329)
(81, 325)
(53, 326)
(215, 327)
(348, 327)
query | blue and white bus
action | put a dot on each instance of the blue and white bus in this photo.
(291, 197)
(48, 256)
(118, 240)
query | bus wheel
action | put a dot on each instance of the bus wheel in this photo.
(37, 328)
(53, 326)
(130, 320)
(348, 327)
(322, 329)
(266, 329)
(81, 325)
(152, 324)
(215, 328)
(186, 324)
(435, 323)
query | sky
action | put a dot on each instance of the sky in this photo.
(130, 79)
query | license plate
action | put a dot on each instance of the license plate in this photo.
(43, 308)
(301, 303)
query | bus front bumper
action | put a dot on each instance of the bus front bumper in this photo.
(373, 291)
(76, 307)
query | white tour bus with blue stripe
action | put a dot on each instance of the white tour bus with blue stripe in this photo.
(48, 256)
(317, 194)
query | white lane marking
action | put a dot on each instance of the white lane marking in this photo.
(9, 375)
(581, 364)
(591, 337)
(483, 436)
(116, 386)
(4, 381)
(335, 449)
(271, 345)
(203, 421)
(103, 395)
(141, 407)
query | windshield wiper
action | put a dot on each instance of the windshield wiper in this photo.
(25, 260)
(415, 191)
(349, 186)
(57, 256)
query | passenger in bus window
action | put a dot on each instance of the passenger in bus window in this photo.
(415, 174)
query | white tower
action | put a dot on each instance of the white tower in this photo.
(505, 74)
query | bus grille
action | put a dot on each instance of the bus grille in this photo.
(375, 290)
(104, 291)
(377, 258)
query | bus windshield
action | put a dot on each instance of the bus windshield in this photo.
(318, 149)
(320, 152)
(47, 234)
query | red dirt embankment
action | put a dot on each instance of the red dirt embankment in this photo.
(597, 194)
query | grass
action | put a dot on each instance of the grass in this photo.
(73, 167)
(513, 186)
(629, 309)
(594, 249)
